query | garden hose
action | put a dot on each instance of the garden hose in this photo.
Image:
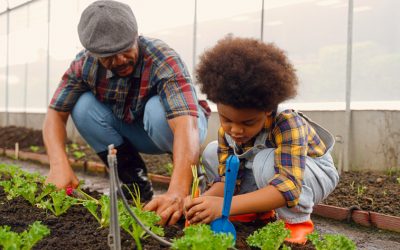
(126, 204)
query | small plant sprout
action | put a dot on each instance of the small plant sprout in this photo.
(201, 237)
(135, 195)
(92, 206)
(34, 148)
(195, 187)
(148, 218)
(398, 180)
(352, 185)
(331, 242)
(79, 154)
(361, 190)
(270, 237)
(169, 168)
(25, 240)
(58, 203)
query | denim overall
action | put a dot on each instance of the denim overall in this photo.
(319, 179)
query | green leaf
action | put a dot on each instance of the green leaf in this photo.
(270, 237)
(201, 237)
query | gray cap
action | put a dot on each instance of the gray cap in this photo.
(107, 28)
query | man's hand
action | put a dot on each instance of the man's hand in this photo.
(168, 206)
(203, 209)
(62, 178)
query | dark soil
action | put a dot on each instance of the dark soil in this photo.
(30, 140)
(377, 192)
(77, 229)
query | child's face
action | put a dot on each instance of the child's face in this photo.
(241, 124)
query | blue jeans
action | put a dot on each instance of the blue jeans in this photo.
(98, 125)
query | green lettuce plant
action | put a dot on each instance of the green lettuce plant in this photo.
(270, 237)
(10, 240)
(201, 237)
(58, 203)
(331, 242)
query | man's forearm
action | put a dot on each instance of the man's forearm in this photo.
(54, 134)
(186, 151)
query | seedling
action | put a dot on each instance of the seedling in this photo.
(34, 148)
(169, 168)
(25, 240)
(195, 187)
(201, 237)
(128, 223)
(92, 206)
(270, 237)
(79, 154)
(331, 242)
(361, 190)
(58, 203)
(398, 180)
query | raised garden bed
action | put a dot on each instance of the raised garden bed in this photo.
(78, 229)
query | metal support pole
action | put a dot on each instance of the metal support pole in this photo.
(194, 40)
(114, 237)
(262, 21)
(346, 153)
(7, 64)
(48, 53)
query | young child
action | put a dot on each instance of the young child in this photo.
(285, 158)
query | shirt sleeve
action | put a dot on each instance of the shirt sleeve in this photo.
(290, 135)
(175, 89)
(70, 86)
(224, 150)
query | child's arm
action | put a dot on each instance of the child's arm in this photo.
(205, 209)
(217, 189)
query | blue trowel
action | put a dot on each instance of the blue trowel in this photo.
(222, 224)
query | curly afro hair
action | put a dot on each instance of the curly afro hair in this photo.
(246, 73)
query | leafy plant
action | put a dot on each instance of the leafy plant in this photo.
(201, 237)
(195, 187)
(10, 240)
(270, 237)
(92, 205)
(169, 168)
(331, 242)
(58, 203)
(79, 154)
(361, 190)
(34, 148)
(148, 218)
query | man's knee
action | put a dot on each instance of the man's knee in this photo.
(154, 115)
(210, 160)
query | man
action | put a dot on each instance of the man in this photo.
(133, 92)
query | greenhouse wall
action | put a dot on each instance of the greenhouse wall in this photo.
(338, 49)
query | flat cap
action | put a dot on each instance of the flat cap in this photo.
(107, 28)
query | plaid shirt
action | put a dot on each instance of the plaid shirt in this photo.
(159, 71)
(293, 139)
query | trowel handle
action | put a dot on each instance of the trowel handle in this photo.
(231, 171)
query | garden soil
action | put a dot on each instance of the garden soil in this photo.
(77, 229)
(371, 191)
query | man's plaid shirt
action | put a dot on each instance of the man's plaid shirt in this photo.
(159, 71)
(293, 139)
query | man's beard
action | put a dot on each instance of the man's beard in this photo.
(123, 66)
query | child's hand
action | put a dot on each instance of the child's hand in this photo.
(203, 209)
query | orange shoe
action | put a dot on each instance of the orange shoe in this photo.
(265, 217)
(299, 231)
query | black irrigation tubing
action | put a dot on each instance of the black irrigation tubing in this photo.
(125, 202)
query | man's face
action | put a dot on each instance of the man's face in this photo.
(241, 124)
(122, 64)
